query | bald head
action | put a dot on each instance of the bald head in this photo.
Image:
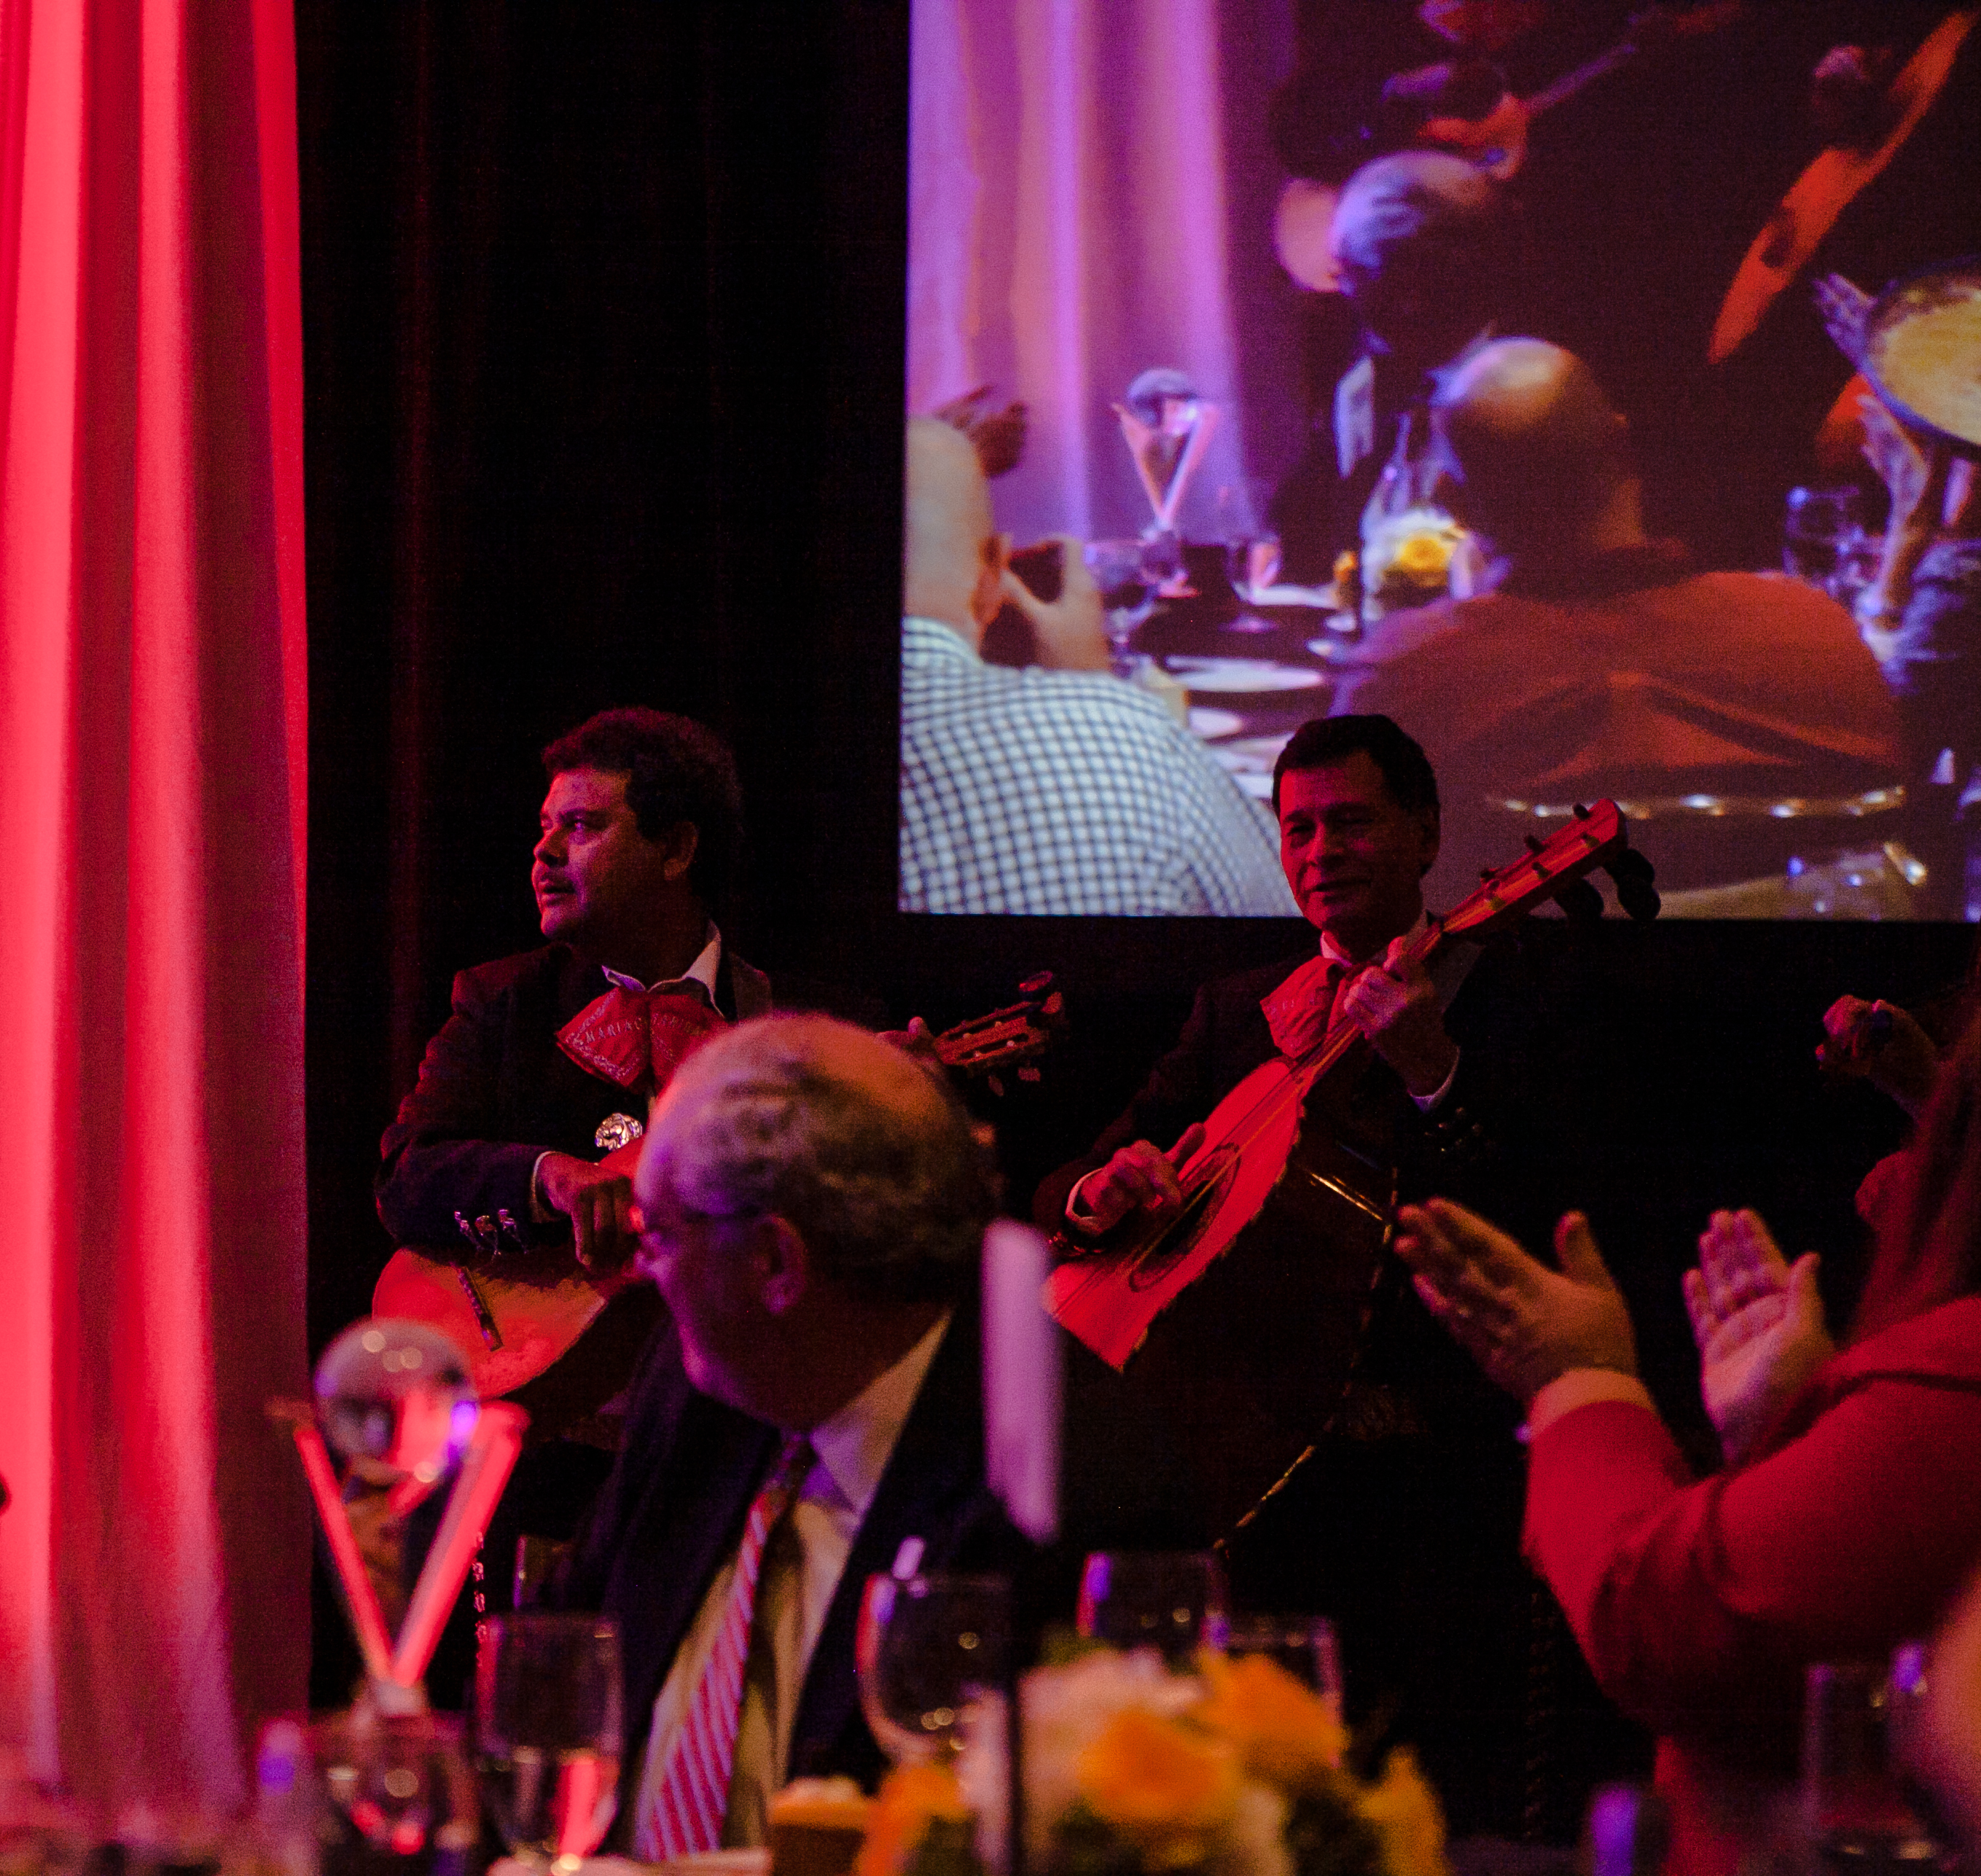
(952, 552)
(1538, 454)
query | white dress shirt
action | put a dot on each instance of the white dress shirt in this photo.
(812, 1545)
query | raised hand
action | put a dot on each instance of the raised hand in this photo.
(1883, 1044)
(1068, 632)
(1524, 1324)
(1758, 1321)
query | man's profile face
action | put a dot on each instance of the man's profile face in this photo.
(1353, 855)
(596, 876)
(703, 1269)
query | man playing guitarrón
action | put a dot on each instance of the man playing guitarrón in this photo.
(1402, 1523)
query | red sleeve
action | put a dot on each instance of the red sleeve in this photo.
(1693, 1602)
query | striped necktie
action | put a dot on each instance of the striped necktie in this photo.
(693, 1797)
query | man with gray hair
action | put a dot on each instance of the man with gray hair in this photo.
(811, 1205)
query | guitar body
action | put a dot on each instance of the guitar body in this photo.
(1279, 1253)
(540, 1311)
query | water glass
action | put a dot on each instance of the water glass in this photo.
(1854, 1807)
(547, 1731)
(1823, 539)
(1169, 1600)
(927, 1648)
(1304, 1645)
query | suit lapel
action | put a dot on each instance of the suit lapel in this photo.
(934, 1475)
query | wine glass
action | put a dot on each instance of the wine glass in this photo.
(547, 1732)
(1302, 1644)
(1823, 539)
(1172, 1601)
(1251, 552)
(927, 1647)
(1856, 1807)
(1118, 571)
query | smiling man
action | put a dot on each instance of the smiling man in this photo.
(1402, 1525)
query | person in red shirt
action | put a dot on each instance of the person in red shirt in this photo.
(1848, 1515)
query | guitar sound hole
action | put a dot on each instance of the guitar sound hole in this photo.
(1200, 1205)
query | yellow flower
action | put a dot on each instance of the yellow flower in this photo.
(910, 1798)
(1167, 1789)
(1286, 1733)
(1407, 1816)
(1422, 560)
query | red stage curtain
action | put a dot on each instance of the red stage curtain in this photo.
(154, 1562)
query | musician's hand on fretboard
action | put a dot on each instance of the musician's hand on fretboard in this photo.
(1394, 1004)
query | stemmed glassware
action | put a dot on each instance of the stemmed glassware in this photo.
(929, 1648)
(1171, 1600)
(547, 1731)
(1127, 595)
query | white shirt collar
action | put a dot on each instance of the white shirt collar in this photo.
(1335, 955)
(854, 1446)
(706, 970)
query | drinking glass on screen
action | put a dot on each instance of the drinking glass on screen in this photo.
(1172, 1601)
(1823, 537)
(927, 1647)
(547, 1732)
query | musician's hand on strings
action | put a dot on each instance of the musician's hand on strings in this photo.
(1394, 1003)
(1884, 1045)
(1140, 1177)
(1758, 1322)
(1524, 1324)
(598, 1201)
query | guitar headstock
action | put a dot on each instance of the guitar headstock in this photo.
(1585, 842)
(1017, 1034)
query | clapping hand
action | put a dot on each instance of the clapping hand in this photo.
(1758, 1321)
(1524, 1324)
(1883, 1044)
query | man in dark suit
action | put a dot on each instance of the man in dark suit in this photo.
(1403, 1525)
(811, 1202)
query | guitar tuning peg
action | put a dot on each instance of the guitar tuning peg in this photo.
(1582, 810)
(1534, 842)
(1580, 901)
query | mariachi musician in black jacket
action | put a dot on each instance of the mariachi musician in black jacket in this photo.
(1403, 1524)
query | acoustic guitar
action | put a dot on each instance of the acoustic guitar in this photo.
(516, 1316)
(1271, 1266)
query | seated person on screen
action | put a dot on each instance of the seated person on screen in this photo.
(1849, 1515)
(1043, 790)
(812, 1203)
(1740, 710)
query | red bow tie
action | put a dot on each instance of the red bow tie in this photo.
(626, 1036)
(1298, 1012)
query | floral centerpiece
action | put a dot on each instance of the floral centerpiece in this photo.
(1407, 559)
(1236, 1770)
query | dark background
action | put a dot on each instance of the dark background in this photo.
(603, 313)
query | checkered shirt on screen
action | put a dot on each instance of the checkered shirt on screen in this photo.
(1065, 792)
